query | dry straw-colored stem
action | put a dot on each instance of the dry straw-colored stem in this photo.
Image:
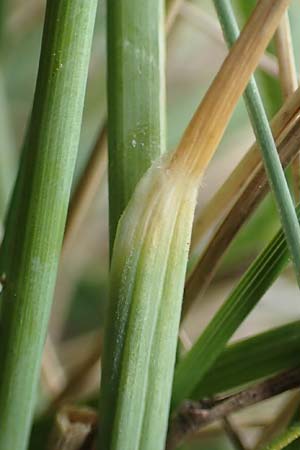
(233, 434)
(288, 80)
(281, 421)
(24, 15)
(249, 198)
(205, 130)
(241, 175)
(79, 376)
(172, 9)
(74, 429)
(286, 59)
(210, 26)
(87, 187)
(53, 376)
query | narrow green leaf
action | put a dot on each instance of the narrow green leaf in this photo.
(249, 359)
(269, 86)
(136, 96)
(286, 438)
(266, 143)
(294, 445)
(35, 224)
(253, 285)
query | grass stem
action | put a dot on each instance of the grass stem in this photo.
(36, 218)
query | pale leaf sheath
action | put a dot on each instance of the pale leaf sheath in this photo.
(148, 240)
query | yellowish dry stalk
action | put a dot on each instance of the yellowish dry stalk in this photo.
(86, 187)
(205, 130)
(53, 376)
(24, 15)
(288, 81)
(245, 203)
(73, 429)
(78, 377)
(286, 59)
(241, 175)
(210, 26)
(172, 10)
(281, 421)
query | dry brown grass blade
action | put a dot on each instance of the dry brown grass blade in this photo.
(172, 10)
(53, 376)
(87, 187)
(288, 80)
(281, 421)
(245, 204)
(241, 175)
(25, 15)
(206, 128)
(78, 377)
(233, 434)
(286, 59)
(210, 26)
(74, 429)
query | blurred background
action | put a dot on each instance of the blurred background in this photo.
(195, 51)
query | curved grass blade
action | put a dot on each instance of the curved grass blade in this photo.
(242, 174)
(286, 438)
(250, 359)
(266, 143)
(244, 205)
(259, 277)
